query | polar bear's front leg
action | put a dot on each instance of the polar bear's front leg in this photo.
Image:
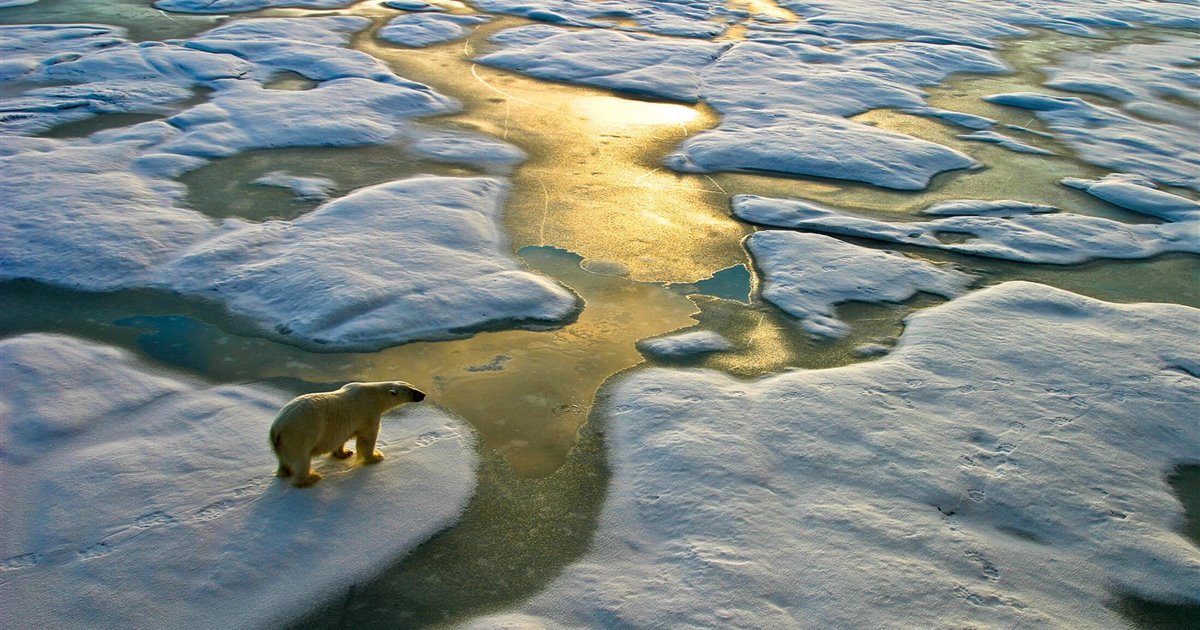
(365, 443)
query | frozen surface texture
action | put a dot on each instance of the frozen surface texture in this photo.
(148, 499)
(684, 345)
(808, 275)
(413, 259)
(1060, 239)
(986, 474)
(426, 29)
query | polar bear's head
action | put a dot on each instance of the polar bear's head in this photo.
(391, 393)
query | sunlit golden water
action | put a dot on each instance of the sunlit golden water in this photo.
(592, 196)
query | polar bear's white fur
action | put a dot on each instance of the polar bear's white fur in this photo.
(315, 424)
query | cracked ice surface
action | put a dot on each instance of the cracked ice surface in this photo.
(1060, 239)
(984, 474)
(808, 275)
(155, 494)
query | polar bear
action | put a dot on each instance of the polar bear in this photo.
(315, 424)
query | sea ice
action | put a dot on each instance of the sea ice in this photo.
(647, 65)
(311, 188)
(148, 498)
(417, 30)
(987, 473)
(1136, 193)
(783, 105)
(1060, 239)
(1109, 138)
(240, 6)
(405, 260)
(989, 208)
(816, 145)
(808, 275)
(683, 345)
(76, 214)
(1010, 143)
(970, 121)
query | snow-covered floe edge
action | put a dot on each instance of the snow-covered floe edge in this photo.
(147, 499)
(1004, 466)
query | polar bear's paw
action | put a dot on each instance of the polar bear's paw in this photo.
(342, 453)
(309, 480)
(373, 458)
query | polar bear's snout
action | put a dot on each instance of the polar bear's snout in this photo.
(418, 395)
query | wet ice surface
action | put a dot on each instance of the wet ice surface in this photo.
(808, 274)
(152, 495)
(956, 482)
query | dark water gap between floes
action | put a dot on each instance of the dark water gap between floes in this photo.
(543, 478)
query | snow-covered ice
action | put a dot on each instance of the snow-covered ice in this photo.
(315, 188)
(401, 261)
(1061, 239)
(647, 65)
(1109, 138)
(147, 499)
(683, 345)
(417, 30)
(987, 473)
(979, 207)
(1138, 194)
(808, 275)
(77, 214)
(783, 106)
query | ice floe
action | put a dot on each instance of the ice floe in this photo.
(977, 207)
(417, 30)
(148, 499)
(1138, 194)
(808, 275)
(987, 473)
(665, 17)
(412, 259)
(315, 188)
(1107, 137)
(77, 214)
(683, 345)
(1061, 239)
(1008, 142)
(647, 65)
